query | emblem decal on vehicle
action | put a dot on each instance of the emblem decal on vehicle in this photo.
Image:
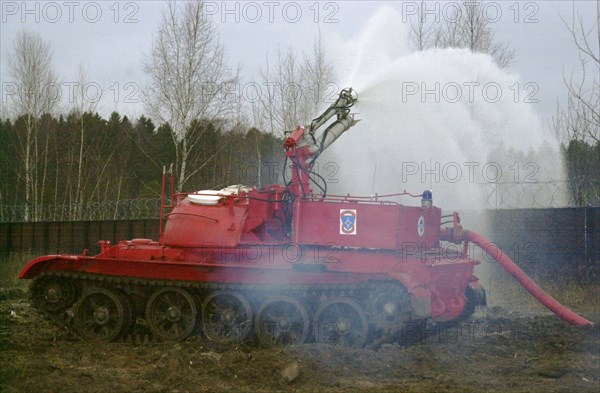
(421, 226)
(347, 222)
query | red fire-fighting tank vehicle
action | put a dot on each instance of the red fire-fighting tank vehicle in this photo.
(282, 263)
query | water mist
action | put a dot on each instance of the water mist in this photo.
(448, 120)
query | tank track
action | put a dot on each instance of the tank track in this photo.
(352, 304)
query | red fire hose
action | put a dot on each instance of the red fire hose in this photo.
(514, 270)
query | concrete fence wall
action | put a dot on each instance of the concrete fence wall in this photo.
(71, 236)
(544, 241)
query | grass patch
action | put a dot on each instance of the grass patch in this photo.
(577, 291)
(11, 264)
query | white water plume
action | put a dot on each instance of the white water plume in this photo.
(446, 119)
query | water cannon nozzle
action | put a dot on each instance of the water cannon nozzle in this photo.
(348, 96)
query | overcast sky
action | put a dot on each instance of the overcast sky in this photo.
(111, 37)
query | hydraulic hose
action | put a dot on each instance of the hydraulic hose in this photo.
(527, 283)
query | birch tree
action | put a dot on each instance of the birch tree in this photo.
(31, 70)
(189, 78)
(82, 104)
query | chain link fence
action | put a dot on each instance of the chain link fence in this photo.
(128, 209)
(524, 195)
(582, 191)
(541, 194)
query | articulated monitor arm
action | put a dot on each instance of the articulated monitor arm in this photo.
(314, 144)
(341, 108)
(302, 148)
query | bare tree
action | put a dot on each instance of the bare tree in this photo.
(4, 110)
(30, 67)
(579, 119)
(577, 122)
(421, 31)
(466, 26)
(293, 88)
(281, 92)
(479, 37)
(318, 75)
(189, 78)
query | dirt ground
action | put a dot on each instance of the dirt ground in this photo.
(496, 351)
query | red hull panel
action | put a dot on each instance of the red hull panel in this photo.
(365, 225)
(444, 280)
